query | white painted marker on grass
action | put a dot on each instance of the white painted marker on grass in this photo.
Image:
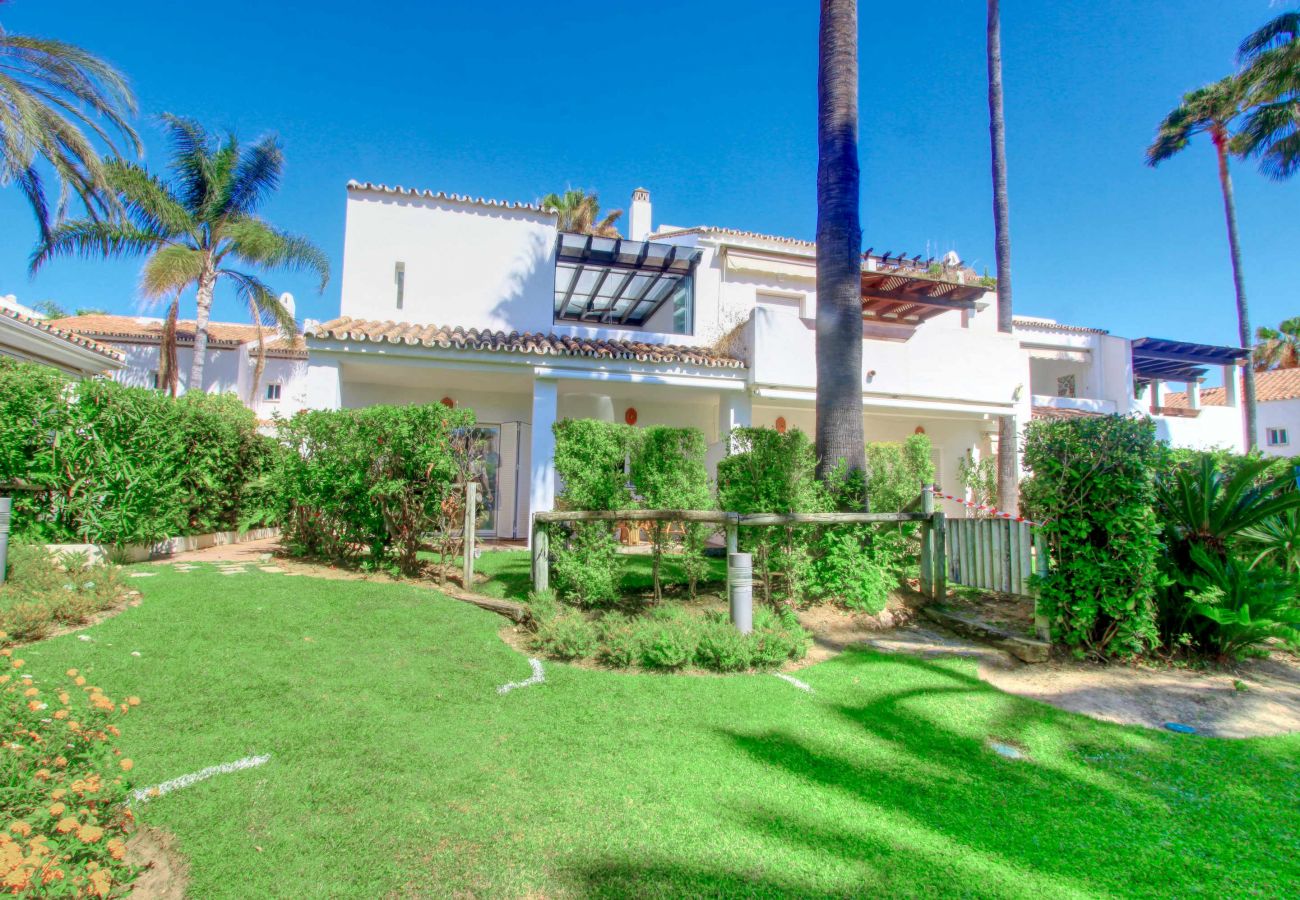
(538, 678)
(144, 795)
(801, 685)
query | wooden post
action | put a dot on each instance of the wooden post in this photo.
(541, 557)
(1042, 627)
(939, 532)
(927, 544)
(467, 533)
(733, 533)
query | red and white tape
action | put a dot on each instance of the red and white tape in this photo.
(993, 511)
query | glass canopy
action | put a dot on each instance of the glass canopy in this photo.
(612, 281)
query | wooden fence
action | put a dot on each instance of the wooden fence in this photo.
(999, 555)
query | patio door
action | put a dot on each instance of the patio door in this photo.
(488, 476)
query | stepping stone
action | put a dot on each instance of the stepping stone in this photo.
(274, 570)
(142, 574)
(1006, 750)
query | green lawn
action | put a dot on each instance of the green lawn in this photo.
(397, 769)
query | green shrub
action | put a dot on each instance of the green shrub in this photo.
(113, 464)
(897, 471)
(846, 570)
(620, 641)
(567, 635)
(774, 473)
(668, 472)
(591, 459)
(368, 480)
(777, 638)
(667, 645)
(1232, 608)
(43, 592)
(721, 648)
(1093, 486)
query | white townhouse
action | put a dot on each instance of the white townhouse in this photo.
(230, 363)
(1277, 395)
(486, 304)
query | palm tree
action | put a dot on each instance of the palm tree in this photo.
(580, 213)
(1271, 130)
(193, 228)
(1213, 110)
(839, 244)
(51, 94)
(1278, 348)
(1008, 437)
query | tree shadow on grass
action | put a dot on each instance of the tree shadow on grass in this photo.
(932, 809)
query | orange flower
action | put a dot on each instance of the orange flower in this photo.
(72, 673)
(35, 705)
(64, 698)
(79, 680)
(61, 714)
(90, 833)
(126, 765)
(42, 774)
(56, 809)
(117, 848)
(32, 692)
(101, 883)
(20, 827)
(66, 824)
(59, 794)
(134, 701)
(6, 652)
(18, 879)
(60, 761)
(19, 663)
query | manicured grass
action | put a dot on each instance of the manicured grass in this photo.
(397, 769)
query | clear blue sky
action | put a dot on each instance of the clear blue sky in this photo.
(712, 107)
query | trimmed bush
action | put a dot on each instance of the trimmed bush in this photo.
(119, 465)
(591, 459)
(43, 592)
(369, 481)
(1093, 486)
(668, 472)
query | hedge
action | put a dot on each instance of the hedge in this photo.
(113, 464)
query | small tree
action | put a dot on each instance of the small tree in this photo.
(1093, 486)
(668, 472)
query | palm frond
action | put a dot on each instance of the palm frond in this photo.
(1281, 30)
(257, 243)
(191, 162)
(148, 201)
(91, 238)
(256, 175)
(170, 270)
(1271, 132)
(263, 303)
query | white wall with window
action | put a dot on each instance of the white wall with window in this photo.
(1279, 427)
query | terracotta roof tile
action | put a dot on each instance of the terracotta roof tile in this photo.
(731, 232)
(348, 329)
(1275, 384)
(1042, 325)
(62, 332)
(441, 195)
(149, 331)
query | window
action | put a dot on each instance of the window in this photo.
(1277, 437)
(399, 278)
(273, 392)
(1065, 386)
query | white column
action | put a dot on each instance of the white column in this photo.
(323, 385)
(541, 492)
(735, 410)
(1232, 386)
(1194, 394)
(1157, 394)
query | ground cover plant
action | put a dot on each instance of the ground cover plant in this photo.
(43, 592)
(103, 463)
(397, 769)
(62, 785)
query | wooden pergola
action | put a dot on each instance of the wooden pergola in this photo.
(907, 298)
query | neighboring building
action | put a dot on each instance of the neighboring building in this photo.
(230, 364)
(25, 335)
(1277, 395)
(1077, 371)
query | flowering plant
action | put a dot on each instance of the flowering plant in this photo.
(62, 788)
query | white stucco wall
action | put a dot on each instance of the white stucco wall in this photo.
(466, 264)
(1279, 414)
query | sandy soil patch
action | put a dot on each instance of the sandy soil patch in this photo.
(167, 872)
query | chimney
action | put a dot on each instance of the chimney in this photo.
(638, 220)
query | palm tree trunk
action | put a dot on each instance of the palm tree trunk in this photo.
(1238, 283)
(168, 376)
(1008, 434)
(207, 282)
(259, 369)
(839, 243)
